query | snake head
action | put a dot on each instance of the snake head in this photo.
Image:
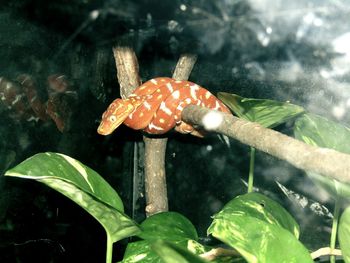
(115, 115)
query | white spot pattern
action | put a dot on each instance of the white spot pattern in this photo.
(147, 105)
(217, 105)
(176, 94)
(179, 108)
(193, 91)
(164, 108)
(188, 100)
(152, 126)
(207, 95)
(170, 87)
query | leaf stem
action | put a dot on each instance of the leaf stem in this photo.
(109, 251)
(334, 228)
(251, 170)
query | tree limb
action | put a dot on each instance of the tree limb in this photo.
(127, 70)
(128, 78)
(156, 189)
(327, 162)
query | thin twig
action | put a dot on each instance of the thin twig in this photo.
(327, 162)
(156, 191)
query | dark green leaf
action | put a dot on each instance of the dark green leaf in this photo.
(268, 113)
(344, 234)
(169, 226)
(318, 131)
(83, 186)
(260, 230)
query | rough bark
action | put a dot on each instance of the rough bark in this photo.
(127, 70)
(318, 160)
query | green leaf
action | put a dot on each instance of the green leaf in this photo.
(260, 207)
(318, 131)
(172, 253)
(169, 226)
(260, 229)
(83, 186)
(344, 234)
(141, 251)
(268, 113)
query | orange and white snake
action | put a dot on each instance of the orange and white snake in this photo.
(155, 107)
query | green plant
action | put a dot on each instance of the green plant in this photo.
(253, 227)
(170, 236)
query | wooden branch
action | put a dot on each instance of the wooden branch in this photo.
(155, 180)
(156, 189)
(127, 70)
(327, 162)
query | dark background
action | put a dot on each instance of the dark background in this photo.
(295, 51)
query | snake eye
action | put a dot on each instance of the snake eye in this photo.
(112, 118)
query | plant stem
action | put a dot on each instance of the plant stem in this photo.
(109, 251)
(251, 170)
(334, 228)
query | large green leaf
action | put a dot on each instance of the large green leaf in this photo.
(344, 234)
(260, 207)
(83, 186)
(318, 131)
(169, 226)
(268, 113)
(260, 229)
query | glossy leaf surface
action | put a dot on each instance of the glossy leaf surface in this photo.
(260, 207)
(83, 186)
(169, 226)
(268, 113)
(259, 229)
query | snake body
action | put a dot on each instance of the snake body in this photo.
(156, 106)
